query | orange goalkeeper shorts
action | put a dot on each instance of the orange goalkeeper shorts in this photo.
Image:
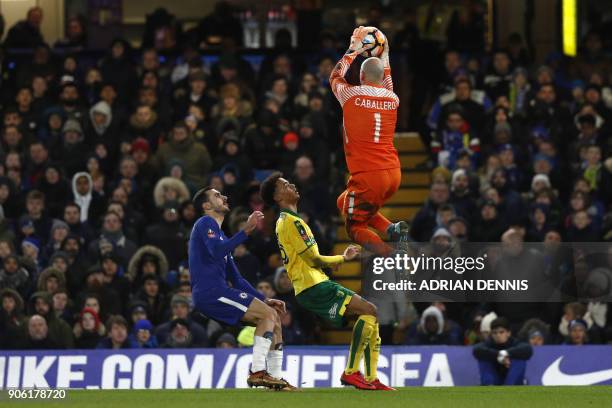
(366, 192)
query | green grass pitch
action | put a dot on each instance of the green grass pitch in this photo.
(456, 397)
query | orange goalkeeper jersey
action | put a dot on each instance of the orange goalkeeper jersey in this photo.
(369, 117)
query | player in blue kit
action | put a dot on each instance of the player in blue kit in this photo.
(221, 293)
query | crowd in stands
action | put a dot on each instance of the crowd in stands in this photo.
(99, 159)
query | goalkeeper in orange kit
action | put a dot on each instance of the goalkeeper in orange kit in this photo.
(369, 113)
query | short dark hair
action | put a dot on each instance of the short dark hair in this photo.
(268, 187)
(201, 197)
(500, 322)
(72, 204)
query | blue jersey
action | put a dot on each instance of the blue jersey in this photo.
(211, 264)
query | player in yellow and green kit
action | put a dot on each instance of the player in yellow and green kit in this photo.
(315, 292)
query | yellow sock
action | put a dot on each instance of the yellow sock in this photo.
(362, 332)
(371, 353)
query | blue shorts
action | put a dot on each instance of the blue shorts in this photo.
(226, 305)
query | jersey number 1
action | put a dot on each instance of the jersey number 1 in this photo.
(377, 122)
(376, 127)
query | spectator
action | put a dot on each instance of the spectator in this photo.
(148, 260)
(292, 332)
(142, 336)
(38, 335)
(76, 34)
(180, 335)
(169, 235)
(89, 330)
(193, 155)
(226, 341)
(96, 286)
(51, 280)
(170, 189)
(63, 306)
(112, 239)
(26, 33)
(432, 329)
(577, 329)
(502, 359)
(117, 334)
(424, 221)
(14, 276)
(151, 294)
(180, 309)
(59, 332)
(12, 319)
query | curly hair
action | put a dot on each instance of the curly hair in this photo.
(268, 187)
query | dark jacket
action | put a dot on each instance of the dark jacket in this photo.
(198, 333)
(516, 349)
(23, 35)
(60, 332)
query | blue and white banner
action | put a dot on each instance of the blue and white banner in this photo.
(304, 366)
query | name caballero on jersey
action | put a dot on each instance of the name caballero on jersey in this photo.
(375, 104)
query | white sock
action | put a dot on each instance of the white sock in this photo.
(275, 362)
(261, 346)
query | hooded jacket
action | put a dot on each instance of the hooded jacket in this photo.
(90, 203)
(19, 280)
(103, 108)
(170, 183)
(59, 331)
(133, 271)
(13, 326)
(72, 155)
(51, 272)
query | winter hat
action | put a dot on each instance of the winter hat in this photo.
(227, 338)
(25, 222)
(456, 174)
(91, 312)
(32, 242)
(441, 232)
(485, 324)
(176, 322)
(290, 137)
(141, 144)
(137, 306)
(535, 333)
(179, 299)
(540, 178)
(577, 322)
(59, 254)
(72, 125)
(59, 224)
(143, 324)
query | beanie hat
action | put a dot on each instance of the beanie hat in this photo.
(143, 324)
(141, 144)
(31, 241)
(289, 138)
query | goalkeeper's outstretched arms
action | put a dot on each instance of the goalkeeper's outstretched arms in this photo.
(387, 81)
(336, 80)
(313, 258)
